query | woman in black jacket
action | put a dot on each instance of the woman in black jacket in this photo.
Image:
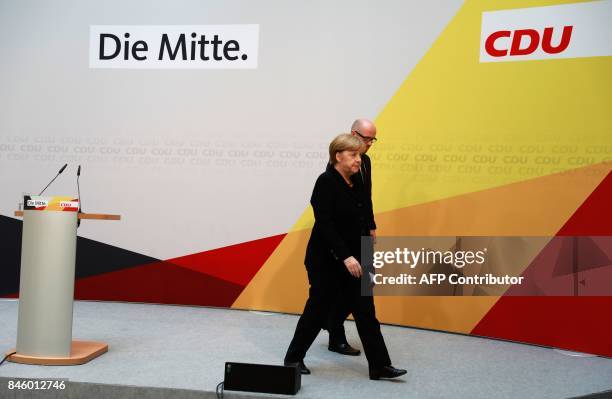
(342, 213)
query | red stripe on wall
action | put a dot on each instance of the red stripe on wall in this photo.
(235, 263)
(158, 283)
(210, 278)
(570, 322)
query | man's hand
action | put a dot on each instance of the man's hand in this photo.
(373, 235)
(353, 266)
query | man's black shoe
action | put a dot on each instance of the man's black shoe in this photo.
(300, 365)
(386, 372)
(344, 349)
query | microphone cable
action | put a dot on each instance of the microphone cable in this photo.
(219, 390)
(6, 357)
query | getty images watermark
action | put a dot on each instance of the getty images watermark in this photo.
(457, 259)
(477, 266)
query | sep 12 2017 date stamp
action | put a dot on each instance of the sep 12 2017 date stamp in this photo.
(26, 384)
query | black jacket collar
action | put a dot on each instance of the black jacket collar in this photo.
(337, 177)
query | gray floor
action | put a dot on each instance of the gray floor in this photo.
(185, 348)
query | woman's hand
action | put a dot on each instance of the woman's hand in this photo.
(353, 266)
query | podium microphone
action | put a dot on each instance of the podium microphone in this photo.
(79, 194)
(58, 173)
(78, 187)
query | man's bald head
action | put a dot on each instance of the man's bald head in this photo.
(366, 131)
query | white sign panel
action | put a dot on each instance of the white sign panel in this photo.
(174, 46)
(564, 31)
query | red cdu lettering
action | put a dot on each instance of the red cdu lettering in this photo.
(527, 41)
(534, 41)
(490, 43)
(547, 39)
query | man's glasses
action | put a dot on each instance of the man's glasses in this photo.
(366, 138)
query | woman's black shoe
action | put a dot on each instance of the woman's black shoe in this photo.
(386, 372)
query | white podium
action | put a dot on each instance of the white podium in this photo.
(46, 288)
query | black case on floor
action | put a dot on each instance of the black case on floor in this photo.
(266, 378)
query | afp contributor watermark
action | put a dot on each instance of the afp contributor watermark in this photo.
(461, 266)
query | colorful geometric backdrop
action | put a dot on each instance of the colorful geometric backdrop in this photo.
(466, 148)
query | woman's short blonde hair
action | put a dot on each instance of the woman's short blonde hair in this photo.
(343, 142)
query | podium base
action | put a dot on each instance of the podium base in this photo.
(81, 352)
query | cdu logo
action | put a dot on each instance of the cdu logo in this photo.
(527, 41)
(539, 33)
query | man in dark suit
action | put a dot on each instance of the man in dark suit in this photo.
(365, 130)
